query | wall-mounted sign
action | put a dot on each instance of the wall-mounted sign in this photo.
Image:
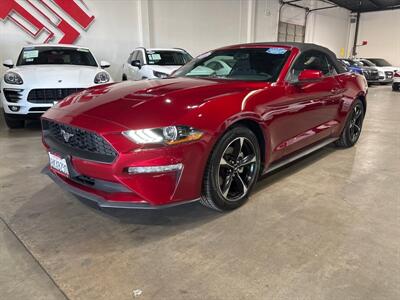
(48, 20)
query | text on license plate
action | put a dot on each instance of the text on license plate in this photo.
(59, 164)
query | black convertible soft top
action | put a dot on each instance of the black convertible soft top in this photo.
(301, 46)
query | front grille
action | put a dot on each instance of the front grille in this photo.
(12, 95)
(77, 142)
(50, 95)
(371, 75)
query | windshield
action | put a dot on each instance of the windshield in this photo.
(380, 62)
(259, 64)
(168, 58)
(56, 56)
(367, 63)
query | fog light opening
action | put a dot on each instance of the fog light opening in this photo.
(14, 108)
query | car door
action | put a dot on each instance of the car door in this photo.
(311, 108)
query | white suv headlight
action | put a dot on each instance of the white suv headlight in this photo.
(170, 135)
(102, 77)
(13, 78)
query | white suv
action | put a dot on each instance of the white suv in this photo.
(385, 69)
(44, 75)
(153, 63)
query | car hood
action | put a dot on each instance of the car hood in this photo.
(165, 69)
(151, 103)
(57, 75)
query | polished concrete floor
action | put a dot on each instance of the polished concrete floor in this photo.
(326, 227)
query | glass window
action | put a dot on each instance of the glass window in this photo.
(258, 64)
(168, 58)
(367, 63)
(140, 57)
(380, 62)
(132, 57)
(56, 56)
(312, 60)
(290, 32)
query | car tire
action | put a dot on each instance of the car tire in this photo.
(13, 123)
(232, 170)
(352, 130)
(124, 78)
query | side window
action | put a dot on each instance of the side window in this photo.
(132, 56)
(312, 60)
(140, 57)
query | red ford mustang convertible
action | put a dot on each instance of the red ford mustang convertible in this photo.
(207, 132)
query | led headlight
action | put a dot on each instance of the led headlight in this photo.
(169, 135)
(13, 78)
(101, 77)
(160, 74)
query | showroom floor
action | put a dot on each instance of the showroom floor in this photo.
(327, 227)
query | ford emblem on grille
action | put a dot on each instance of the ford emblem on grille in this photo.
(66, 135)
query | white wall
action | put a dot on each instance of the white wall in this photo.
(197, 25)
(381, 30)
(330, 28)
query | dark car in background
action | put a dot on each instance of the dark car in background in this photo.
(385, 69)
(370, 73)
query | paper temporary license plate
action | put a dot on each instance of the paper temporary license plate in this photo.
(58, 164)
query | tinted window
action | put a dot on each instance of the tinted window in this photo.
(259, 64)
(168, 58)
(56, 56)
(380, 62)
(312, 60)
(367, 63)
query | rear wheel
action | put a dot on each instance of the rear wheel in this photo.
(12, 122)
(232, 170)
(352, 130)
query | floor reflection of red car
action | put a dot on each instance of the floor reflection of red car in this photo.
(207, 132)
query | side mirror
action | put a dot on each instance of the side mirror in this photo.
(8, 63)
(104, 64)
(308, 76)
(136, 63)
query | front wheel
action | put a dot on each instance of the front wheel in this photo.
(232, 170)
(352, 130)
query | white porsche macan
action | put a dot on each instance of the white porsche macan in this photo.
(44, 75)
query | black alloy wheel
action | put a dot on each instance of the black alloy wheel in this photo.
(352, 130)
(232, 170)
(237, 168)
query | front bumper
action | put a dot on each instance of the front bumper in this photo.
(21, 106)
(137, 169)
(102, 201)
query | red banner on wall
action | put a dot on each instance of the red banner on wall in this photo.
(48, 17)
